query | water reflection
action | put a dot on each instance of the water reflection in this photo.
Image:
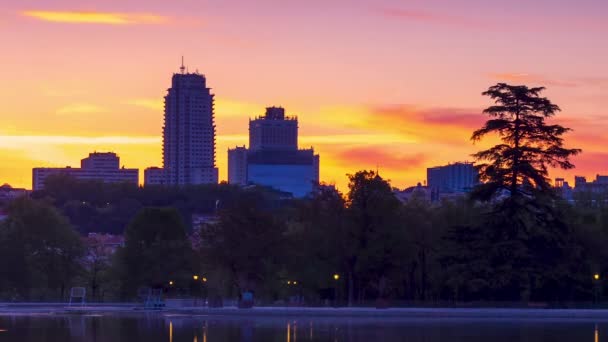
(596, 334)
(159, 327)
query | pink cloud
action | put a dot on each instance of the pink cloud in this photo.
(379, 156)
(432, 17)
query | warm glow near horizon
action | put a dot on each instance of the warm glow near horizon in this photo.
(380, 84)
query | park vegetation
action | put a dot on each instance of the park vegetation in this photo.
(512, 239)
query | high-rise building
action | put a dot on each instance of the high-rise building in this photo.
(237, 165)
(189, 131)
(273, 131)
(273, 158)
(104, 167)
(452, 178)
(154, 176)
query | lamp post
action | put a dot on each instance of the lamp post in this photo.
(336, 279)
(596, 288)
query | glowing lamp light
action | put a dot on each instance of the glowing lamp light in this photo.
(204, 280)
(195, 277)
(171, 282)
(596, 276)
(336, 276)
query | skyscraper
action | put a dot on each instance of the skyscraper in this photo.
(273, 158)
(273, 131)
(189, 131)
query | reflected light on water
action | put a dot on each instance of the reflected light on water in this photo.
(596, 334)
(288, 331)
(170, 331)
(310, 331)
(205, 332)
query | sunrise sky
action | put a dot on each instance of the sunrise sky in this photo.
(393, 84)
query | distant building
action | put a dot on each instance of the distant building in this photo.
(451, 180)
(418, 191)
(154, 176)
(97, 166)
(8, 193)
(273, 158)
(237, 165)
(457, 177)
(295, 172)
(189, 131)
(599, 185)
(273, 131)
(563, 188)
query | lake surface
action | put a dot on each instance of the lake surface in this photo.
(176, 328)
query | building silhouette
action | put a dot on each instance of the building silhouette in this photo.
(189, 132)
(102, 166)
(273, 158)
(453, 178)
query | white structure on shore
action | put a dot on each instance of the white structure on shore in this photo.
(100, 166)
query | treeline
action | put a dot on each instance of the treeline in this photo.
(94, 206)
(360, 247)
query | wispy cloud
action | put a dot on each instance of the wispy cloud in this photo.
(80, 108)
(92, 17)
(18, 141)
(533, 79)
(431, 17)
(154, 104)
(379, 156)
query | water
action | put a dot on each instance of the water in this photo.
(175, 328)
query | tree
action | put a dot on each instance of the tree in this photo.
(40, 250)
(156, 251)
(375, 235)
(528, 246)
(247, 243)
(519, 165)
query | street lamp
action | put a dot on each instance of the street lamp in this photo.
(336, 276)
(195, 277)
(170, 282)
(204, 280)
(596, 276)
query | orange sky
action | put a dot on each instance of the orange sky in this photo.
(388, 84)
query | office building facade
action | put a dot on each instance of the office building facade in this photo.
(273, 158)
(103, 167)
(452, 178)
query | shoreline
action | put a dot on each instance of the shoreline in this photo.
(25, 309)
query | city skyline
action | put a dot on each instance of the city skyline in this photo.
(402, 97)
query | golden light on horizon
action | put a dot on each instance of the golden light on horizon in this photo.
(90, 17)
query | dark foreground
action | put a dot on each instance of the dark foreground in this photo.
(174, 327)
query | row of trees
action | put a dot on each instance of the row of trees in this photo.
(512, 239)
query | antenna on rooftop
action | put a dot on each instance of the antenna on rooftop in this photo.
(182, 68)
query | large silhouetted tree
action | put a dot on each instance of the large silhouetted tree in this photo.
(518, 166)
(527, 243)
